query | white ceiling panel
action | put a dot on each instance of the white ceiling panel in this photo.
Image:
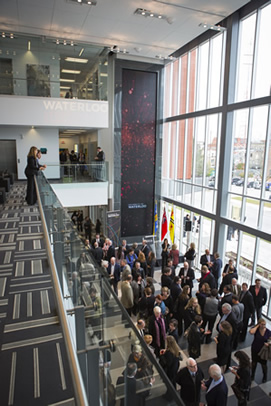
(113, 22)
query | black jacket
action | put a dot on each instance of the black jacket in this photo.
(217, 396)
(190, 390)
(261, 298)
(248, 302)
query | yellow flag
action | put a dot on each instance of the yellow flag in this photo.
(171, 226)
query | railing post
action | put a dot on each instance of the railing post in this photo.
(79, 312)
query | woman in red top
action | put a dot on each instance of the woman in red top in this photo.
(174, 254)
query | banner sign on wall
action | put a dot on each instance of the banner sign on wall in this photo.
(113, 226)
(138, 134)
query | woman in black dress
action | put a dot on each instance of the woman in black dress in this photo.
(179, 306)
(165, 253)
(223, 341)
(31, 170)
(169, 360)
(150, 264)
(242, 374)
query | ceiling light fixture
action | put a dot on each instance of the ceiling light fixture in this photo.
(81, 2)
(29, 45)
(81, 52)
(67, 80)
(64, 42)
(118, 50)
(73, 72)
(147, 13)
(212, 27)
(77, 60)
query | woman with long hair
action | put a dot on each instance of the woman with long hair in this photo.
(202, 294)
(174, 255)
(31, 170)
(169, 359)
(179, 307)
(190, 254)
(223, 341)
(142, 259)
(150, 264)
(261, 337)
(165, 253)
(191, 310)
(242, 374)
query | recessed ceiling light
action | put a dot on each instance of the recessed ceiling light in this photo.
(103, 74)
(67, 80)
(74, 72)
(82, 50)
(77, 60)
(64, 87)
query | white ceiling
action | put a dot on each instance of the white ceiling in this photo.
(113, 22)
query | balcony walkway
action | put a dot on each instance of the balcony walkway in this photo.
(34, 366)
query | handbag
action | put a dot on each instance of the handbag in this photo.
(263, 353)
(237, 391)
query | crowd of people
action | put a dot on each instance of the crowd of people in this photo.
(219, 305)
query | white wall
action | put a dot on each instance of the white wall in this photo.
(53, 112)
(81, 194)
(41, 138)
(68, 142)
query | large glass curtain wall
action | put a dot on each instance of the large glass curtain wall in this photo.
(216, 163)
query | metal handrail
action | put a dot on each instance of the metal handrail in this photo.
(79, 390)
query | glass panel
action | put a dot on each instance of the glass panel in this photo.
(245, 265)
(257, 149)
(202, 76)
(239, 150)
(200, 145)
(246, 47)
(263, 270)
(267, 180)
(183, 84)
(174, 97)
(181, 149)
(189, 150)
(165, 163)
(215, 71)
(187, 193)
(263, 58)
(266, 223)
(192, 80)
(235, 207)
(197, 196)
(208, 201)
(172, 151)
(251, 212)
(206, 227)
(231, 243)
(212, 139)
(167, 99)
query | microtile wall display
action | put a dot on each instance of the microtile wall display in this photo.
(139, 90)
(38, 80)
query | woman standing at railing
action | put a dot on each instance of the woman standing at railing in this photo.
(31, 170)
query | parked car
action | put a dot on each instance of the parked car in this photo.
(257, 185)
(268, 186)
(250, 184)
(235, 180)
(240, 182)
(211, 183)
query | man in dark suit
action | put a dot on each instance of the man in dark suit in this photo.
(207, 259)
(227, 278)
(114, 274)
(227, 298)
(187, 276)
(99, 240)
(207, 277)
(216, 387)
(98, 253)
(189, 378)
(259, 295)
(145, 248)
(216, 268)
(230, 317)
(235, 287)
(249, 309)
(166, 278)
(175, 288)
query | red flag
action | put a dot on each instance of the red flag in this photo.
(164, 225)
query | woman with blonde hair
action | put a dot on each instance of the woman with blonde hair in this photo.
(31, 170)
(174, 255)
(169, 360)
(190, 254)
(191, 310)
